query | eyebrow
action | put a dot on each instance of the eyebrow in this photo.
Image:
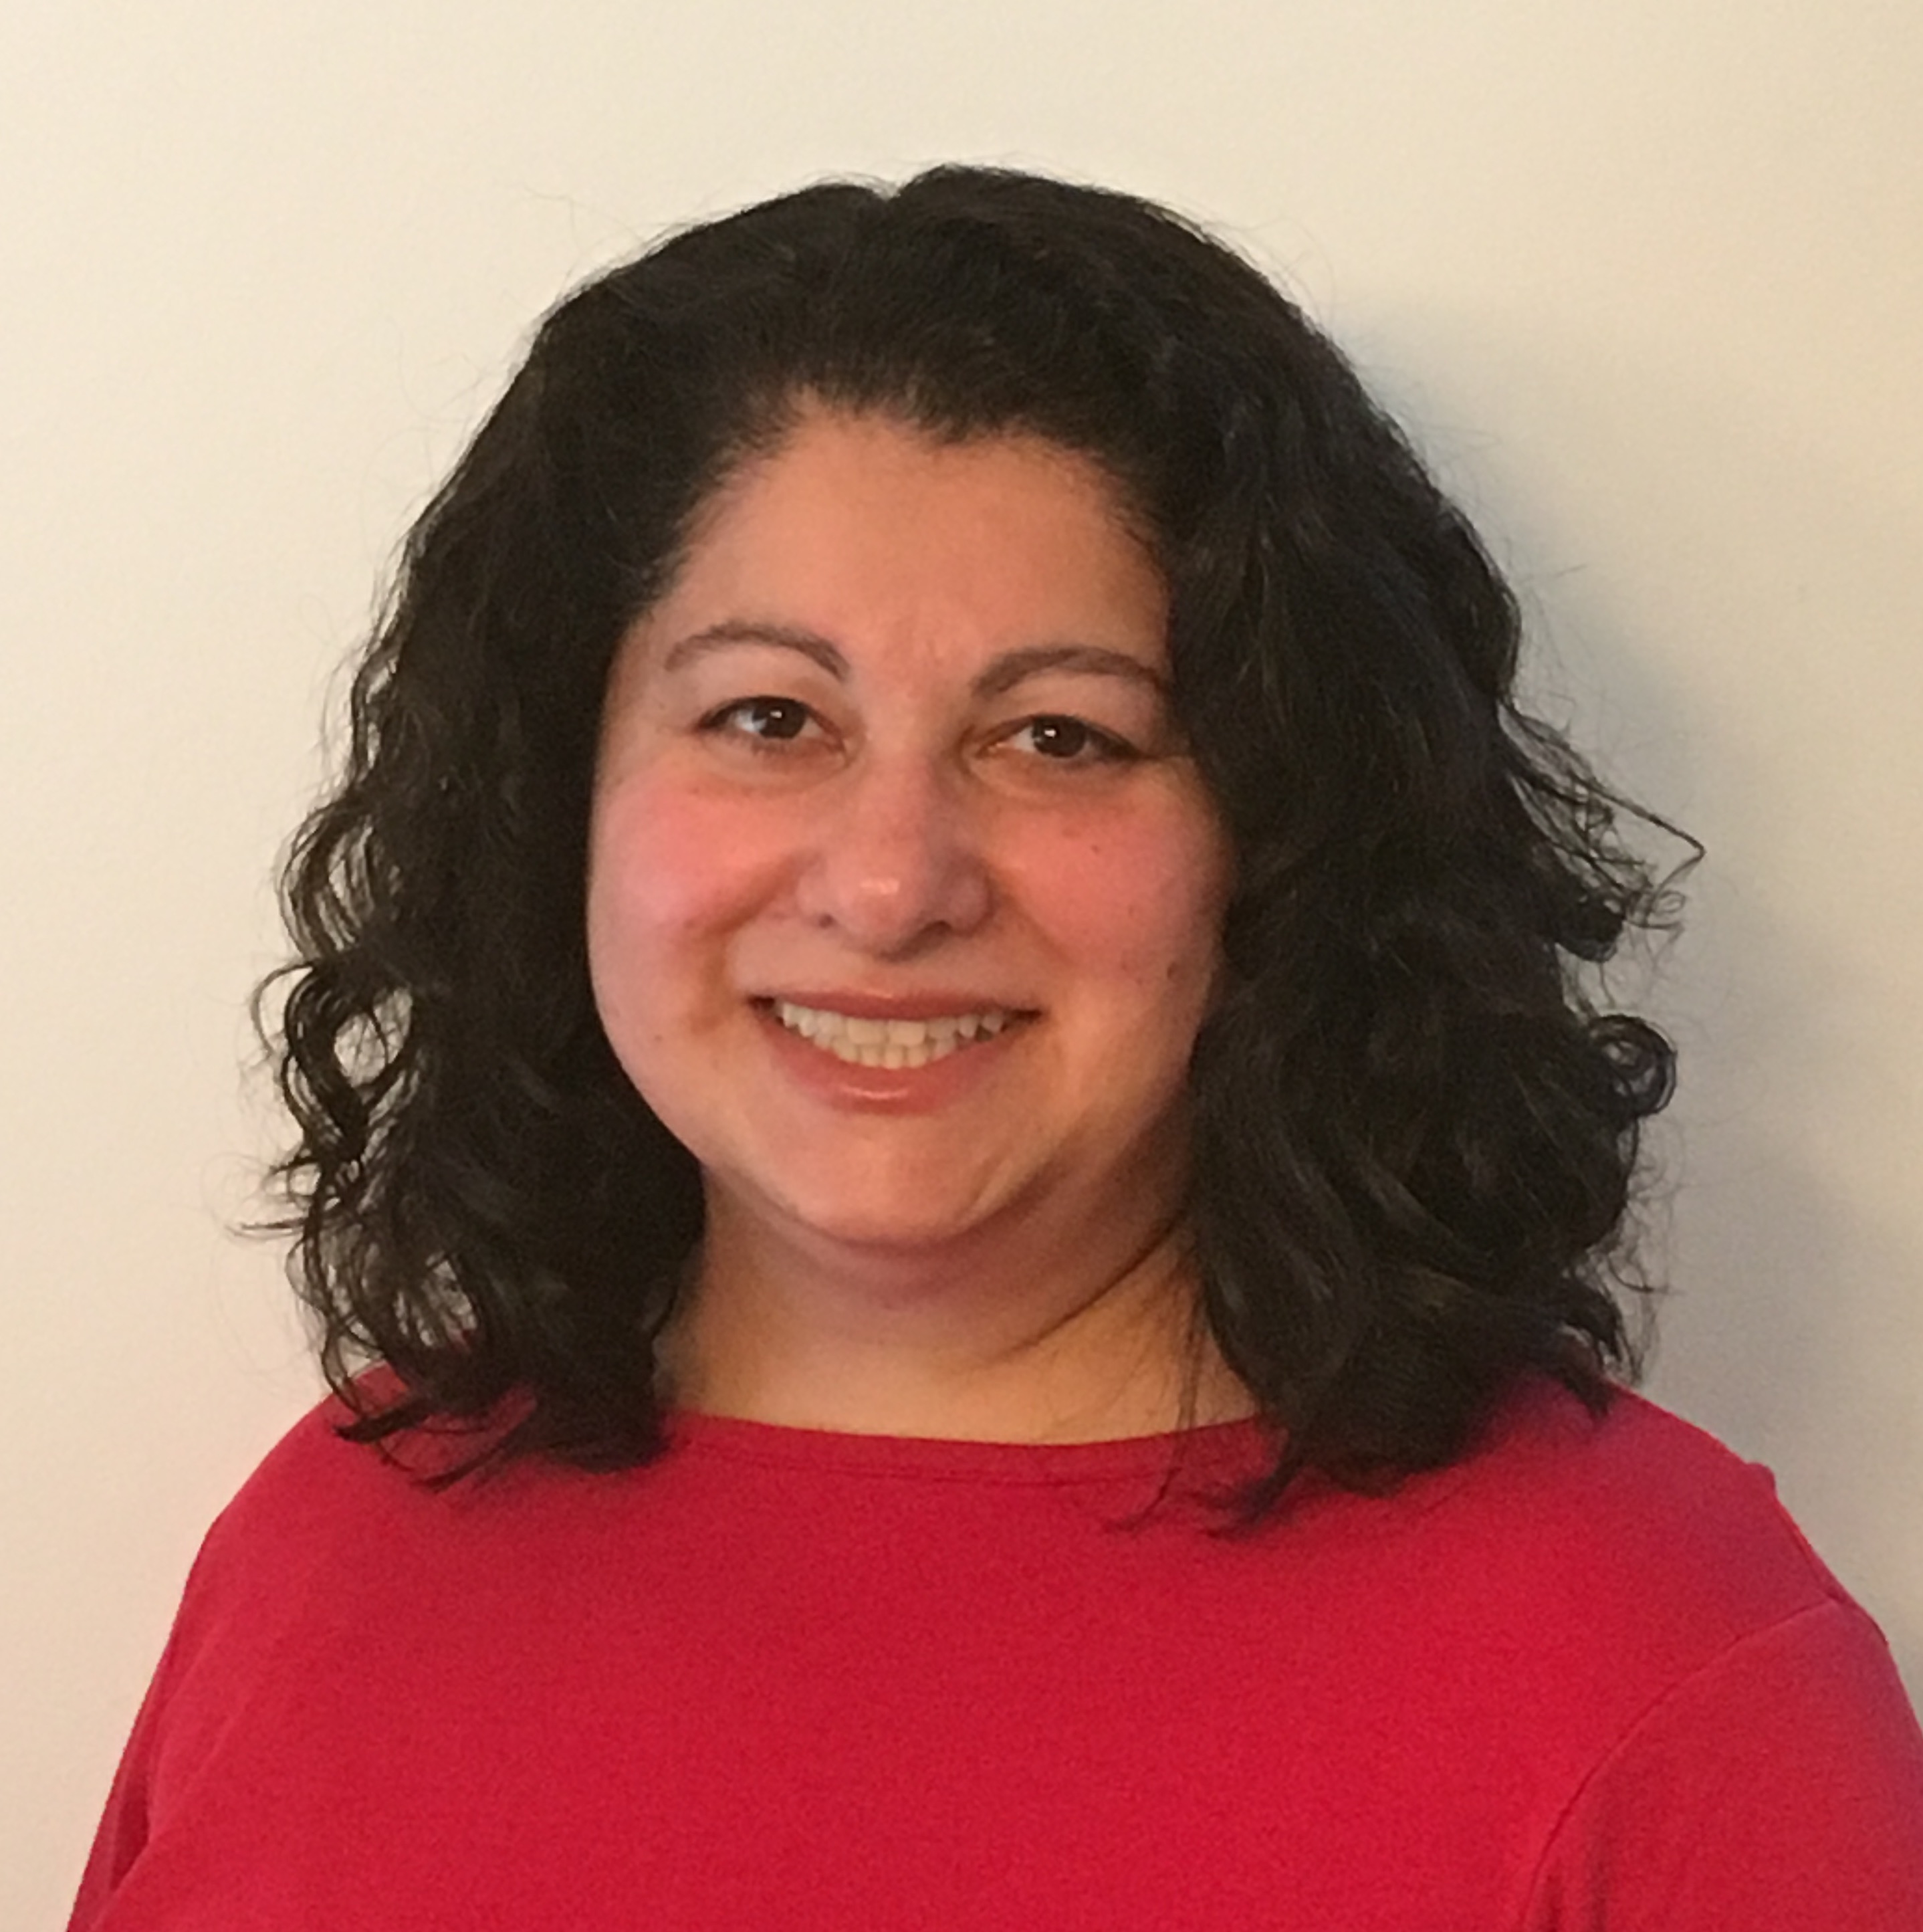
(1011, 669)
(736, 631)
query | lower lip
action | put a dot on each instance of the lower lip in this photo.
(891, 1090)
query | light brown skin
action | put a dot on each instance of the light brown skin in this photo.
(987, 1245)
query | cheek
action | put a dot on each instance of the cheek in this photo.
(1142, 902)
(670, 874)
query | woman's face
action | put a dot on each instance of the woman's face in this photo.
(903, 899)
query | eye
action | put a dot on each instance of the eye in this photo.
(1064, 740)
(769, 720)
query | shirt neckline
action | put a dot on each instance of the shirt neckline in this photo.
(1223, 1449)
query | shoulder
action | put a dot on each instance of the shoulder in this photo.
(313, 1465)
(1635, 1516)
(319, 1500)
(1642, 1573)
(314, 1492)
(1612, 1619)
(1566, 1577)
(1746, 1740)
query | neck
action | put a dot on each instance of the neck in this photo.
(992, 1339)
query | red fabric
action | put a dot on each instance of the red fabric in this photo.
(1590, 1678)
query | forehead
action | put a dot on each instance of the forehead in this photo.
(866, 524)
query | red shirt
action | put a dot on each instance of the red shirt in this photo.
(1589, 1677)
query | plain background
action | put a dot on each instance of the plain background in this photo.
(1646, 279)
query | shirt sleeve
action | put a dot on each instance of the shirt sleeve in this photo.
(1780, 1786)
(122, 1832)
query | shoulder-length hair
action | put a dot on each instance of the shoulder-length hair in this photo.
(1414, 1134)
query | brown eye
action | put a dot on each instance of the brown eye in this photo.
(1070, 741)
(771, 719)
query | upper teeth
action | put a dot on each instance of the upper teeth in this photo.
(873, 1043)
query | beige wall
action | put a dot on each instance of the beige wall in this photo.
(1648, 277)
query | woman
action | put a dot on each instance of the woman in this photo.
(942, 1057)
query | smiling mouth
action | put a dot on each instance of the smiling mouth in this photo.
(890, 1043)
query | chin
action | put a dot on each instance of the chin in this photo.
(918, 1207)
(887, 1227)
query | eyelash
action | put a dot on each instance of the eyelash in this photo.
(726, 721)
(1095, 745)
(1100, 747)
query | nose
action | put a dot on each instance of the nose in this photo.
(899, 865)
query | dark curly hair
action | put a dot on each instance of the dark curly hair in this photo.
(1415, 1134)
